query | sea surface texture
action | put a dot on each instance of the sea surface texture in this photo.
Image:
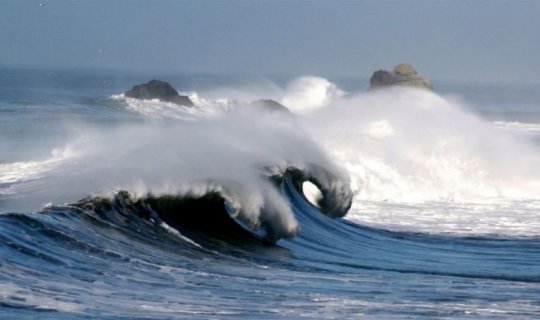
(397, 203)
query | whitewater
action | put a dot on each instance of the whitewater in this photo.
(390, 203)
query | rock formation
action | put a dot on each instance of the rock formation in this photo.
(268, 105)
(402, 75)
(156, 89)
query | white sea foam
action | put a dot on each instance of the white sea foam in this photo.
(16, 172)
(500, 216)
(413, 146)
(167, 110)
(420, 161)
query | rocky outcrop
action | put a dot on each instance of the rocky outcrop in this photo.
(268, 105)
(157, 89)
(402, 75)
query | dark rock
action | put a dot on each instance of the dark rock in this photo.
(268, 105)
(402, 75)
(156, 89)
(381, 78)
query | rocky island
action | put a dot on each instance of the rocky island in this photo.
(402, 75)
(268, 105)
(157, 89)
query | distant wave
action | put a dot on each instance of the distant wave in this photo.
(168, 110)
(18, 172)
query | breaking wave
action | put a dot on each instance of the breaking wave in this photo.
(386, 149)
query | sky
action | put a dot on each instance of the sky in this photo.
(494, 41)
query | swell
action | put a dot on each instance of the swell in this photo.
(348, 247)
(88, 240)
(82, 260)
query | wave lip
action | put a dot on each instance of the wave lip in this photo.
(336, 194)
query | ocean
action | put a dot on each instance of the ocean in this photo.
(387, 204)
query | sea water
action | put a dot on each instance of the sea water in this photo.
(116, 208)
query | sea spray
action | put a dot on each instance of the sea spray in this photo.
(424, 162)
(413, 145)
(234, 154)
(309, 93)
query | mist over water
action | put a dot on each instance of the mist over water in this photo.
(420, 161)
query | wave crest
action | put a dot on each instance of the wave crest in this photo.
(228, 209)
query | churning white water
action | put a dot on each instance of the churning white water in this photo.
(416, 160)
(424, 162)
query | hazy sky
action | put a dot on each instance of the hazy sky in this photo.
(468, 41)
